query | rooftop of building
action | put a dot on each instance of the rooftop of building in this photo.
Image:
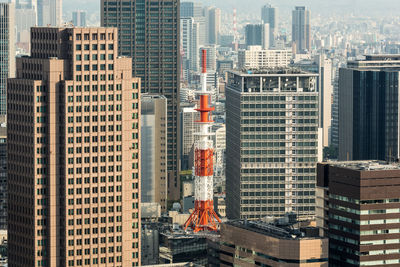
(366, 165)
(277, 71)
(382, 61)
(282, 228)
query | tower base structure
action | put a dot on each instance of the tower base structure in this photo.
(204, 217)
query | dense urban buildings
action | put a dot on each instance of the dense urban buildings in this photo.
(271, 143)
(255, 57)
(258, 243)
(360, 214)
(73, 152)
(148, 32)
(79, 18)
(7, 50)
(301, 30)
(269, 15)
(154, 150)
(191, 9)
(369, 109)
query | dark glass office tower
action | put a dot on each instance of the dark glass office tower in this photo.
(149, 33)
(369, 109)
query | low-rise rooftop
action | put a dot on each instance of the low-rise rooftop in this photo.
(367, 165)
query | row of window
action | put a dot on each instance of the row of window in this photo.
(95, 47)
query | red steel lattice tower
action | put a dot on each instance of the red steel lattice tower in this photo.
(203, 217)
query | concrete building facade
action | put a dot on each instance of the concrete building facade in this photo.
(255, 57)
(73, 152)
(360, 211)
(271, 143)
(263, 244)
(154, 150)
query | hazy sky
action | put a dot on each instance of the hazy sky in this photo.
(323, 7)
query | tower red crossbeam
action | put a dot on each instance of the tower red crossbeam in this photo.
(204, 217)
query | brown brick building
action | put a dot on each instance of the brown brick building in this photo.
(73, 152)
(254, 243)
(359, 209)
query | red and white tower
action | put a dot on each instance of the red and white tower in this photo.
(203, 217)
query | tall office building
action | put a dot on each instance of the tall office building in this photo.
(7, 50)
(190, 32)
(269, 15)
(49, 12)
(79, 18)
(3, 173)
(191, 9)
(257, 34)
(189, 116)
(73, 152)
(149, 33)
(321, 65)
(213, 18)
(154, 150)
(369, 109)
(360, 212)
(255, 58)
(301, 29)
(271, 143)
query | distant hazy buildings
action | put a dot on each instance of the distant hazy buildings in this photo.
(271, 143)
(154, 150)
(213, 18)
(156, 59)
(301, 30)
(257, 34)
(359, 210)
(49, 12)
(266, 244)
(7, 50)
(25, 18)
(79, 18)
(255, 58)
(369, 109)
(211, 57)
(269, 15)
(191, 9)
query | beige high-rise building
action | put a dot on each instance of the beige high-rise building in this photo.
(73, 152)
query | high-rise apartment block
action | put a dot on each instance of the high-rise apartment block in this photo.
(255, 57)
(148, 32)
(359, 210)
(301, 30)
(73, 152)
(257, 34)
(154, 150)
(271, 143)
(269, 15)
(7, 50)
(79, 18)
(369, 109)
